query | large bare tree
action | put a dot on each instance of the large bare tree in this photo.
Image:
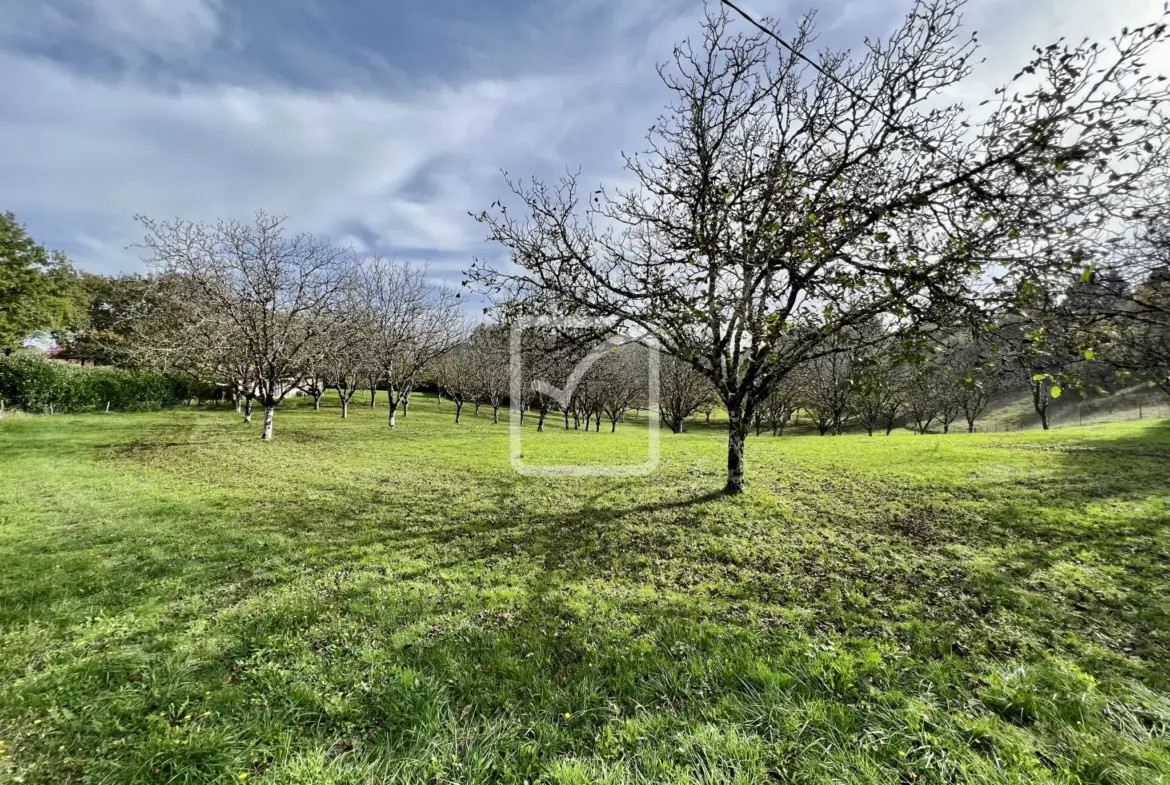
(787, 195)
(257, 295)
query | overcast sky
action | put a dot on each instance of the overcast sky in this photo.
(375, 122)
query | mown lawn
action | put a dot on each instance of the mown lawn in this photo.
(182, 603)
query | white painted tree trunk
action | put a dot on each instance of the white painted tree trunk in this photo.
(248, 411)
(736, 435)
(269, 413)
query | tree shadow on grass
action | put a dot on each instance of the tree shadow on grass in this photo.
(509, 613)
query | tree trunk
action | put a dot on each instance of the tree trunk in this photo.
(458, 411)
(235, 398)
(248, 411)
(540, 422)
(405, 403)
(269, 413)
(613, 426)
(344, 408)
(495, 415)
(736, 436)
(373, 396)
(1040, 403)
(971, 426)
(566, 419)
(597, 423)
(393, 422)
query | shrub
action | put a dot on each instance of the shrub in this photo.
(32, 383)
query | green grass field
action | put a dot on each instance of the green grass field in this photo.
(180, 602)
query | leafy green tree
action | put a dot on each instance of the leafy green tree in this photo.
(109, 312)
(36, 286)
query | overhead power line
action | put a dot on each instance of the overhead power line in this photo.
(817, 67)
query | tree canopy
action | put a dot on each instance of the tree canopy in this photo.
(37, 287)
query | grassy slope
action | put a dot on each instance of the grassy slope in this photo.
(1014, 411)
(182, 603)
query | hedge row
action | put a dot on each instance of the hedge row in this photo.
(35, 384)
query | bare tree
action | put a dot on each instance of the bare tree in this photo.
(977, 378)
(879, 387)
(264, 290)
(491, 367)
(828, 390)
(779, 407)
(315, 383)
(922, 395)
(348, 362)
(777, 199)
(455, 375)
(950, 403)
(413, 322)
(682, 390)
(623, 380)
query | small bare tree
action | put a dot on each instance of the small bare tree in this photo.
(922, 395)
(682, 390)
(263, 290)
(412, 323)
(348, 361)
(455, 375)
(828, 391)
(622, 381)
(880, 389)
(490, 368)
(778, 408)
(977, 378)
